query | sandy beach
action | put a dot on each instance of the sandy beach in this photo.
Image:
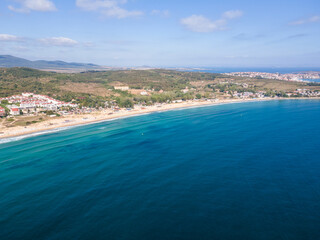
(108, 114)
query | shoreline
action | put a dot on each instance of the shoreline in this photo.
(68, 121)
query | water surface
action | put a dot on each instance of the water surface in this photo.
(237, 171)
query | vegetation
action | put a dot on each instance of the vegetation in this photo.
(94, 88)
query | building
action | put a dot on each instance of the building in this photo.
(31, 101)
(14, 111)
(122, 88)
(2, 112)
(27, 94)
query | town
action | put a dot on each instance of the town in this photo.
(262, 94)
(297, 77)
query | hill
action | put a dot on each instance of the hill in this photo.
(8, 61)
(94, 88)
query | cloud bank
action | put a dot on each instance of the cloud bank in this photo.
(8, 38)
(33, 5)
(305, 21)
(108, 8)
(201, 24)
(50, 41)
(59, 41)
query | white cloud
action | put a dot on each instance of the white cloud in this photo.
(33, 5)
(199, 23)
(18, 10)
(162, 13)
(232, 14)
(305, 21)
(94, 5)
(109, 8)
(118, 12)
(59, 41)
(8, 38)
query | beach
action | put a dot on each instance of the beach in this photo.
(108, 114)
(250, 167)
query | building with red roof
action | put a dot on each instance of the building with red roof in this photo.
(15, 111)
(2, 112)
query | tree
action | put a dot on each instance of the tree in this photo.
(124, 103)
(128, 103)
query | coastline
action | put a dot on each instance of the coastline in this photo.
(68, 121)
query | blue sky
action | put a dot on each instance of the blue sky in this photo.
(168, 33)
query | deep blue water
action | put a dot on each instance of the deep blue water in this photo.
(238, 171)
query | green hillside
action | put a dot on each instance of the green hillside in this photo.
(94, 88)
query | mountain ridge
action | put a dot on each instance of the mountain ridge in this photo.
(9, 61)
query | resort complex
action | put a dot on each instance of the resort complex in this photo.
(30, 103)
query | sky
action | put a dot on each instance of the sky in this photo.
(164, 33)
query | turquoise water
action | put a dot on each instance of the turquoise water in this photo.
(313, 80)
(238, 171)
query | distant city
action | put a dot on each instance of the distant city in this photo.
(298, 77)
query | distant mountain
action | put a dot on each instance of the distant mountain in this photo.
(7, 61)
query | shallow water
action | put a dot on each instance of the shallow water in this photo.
(237, 171)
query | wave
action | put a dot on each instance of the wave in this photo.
(18, 138)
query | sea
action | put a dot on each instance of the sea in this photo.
(233, 171)
(316, 80)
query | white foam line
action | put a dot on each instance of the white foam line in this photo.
(18, 138)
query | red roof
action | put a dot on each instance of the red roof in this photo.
(15, 109)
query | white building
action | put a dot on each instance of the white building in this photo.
(122, 88)
(14, 111)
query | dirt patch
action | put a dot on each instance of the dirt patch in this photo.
(90, 88)
(201, 83)
(136, 91)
